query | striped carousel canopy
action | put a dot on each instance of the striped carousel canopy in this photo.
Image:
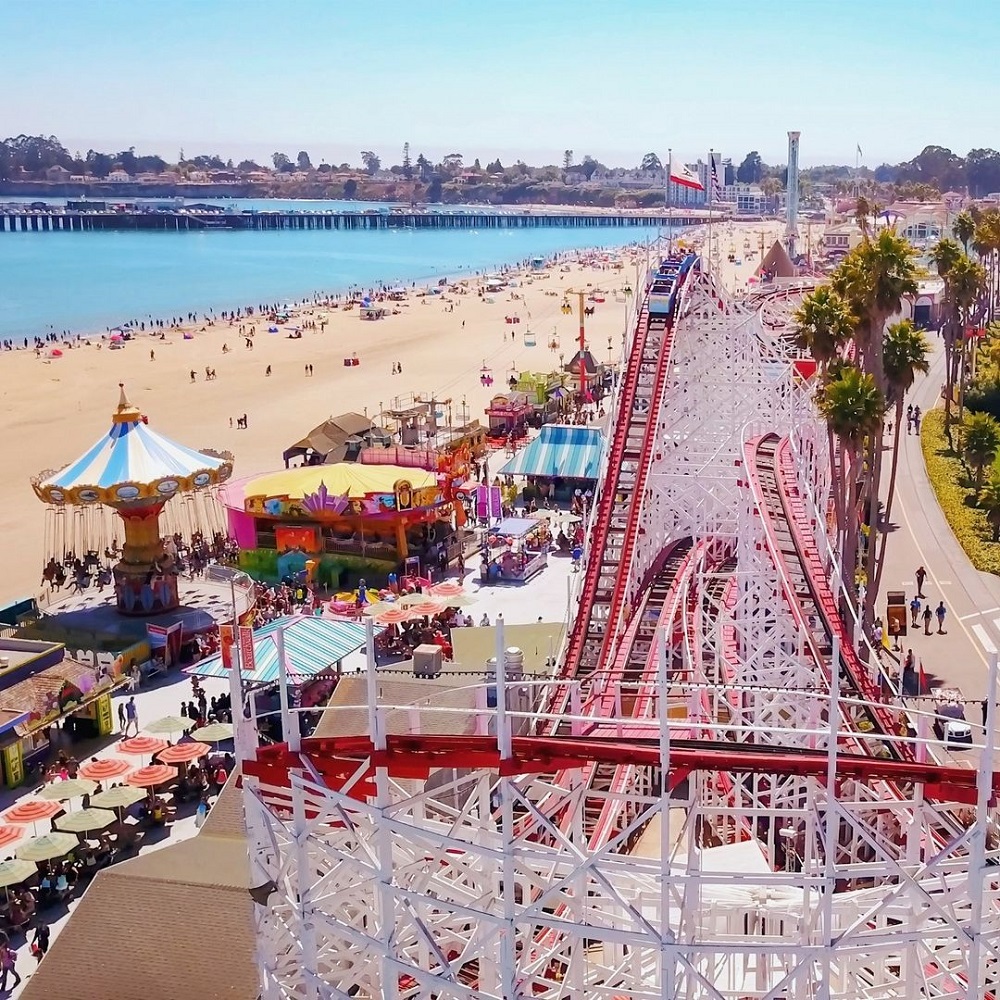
(312, 645)
(131, 463)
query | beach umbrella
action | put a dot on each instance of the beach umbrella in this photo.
(119, 797)
(449, 588)
(104, 770)
(409, 600)
(427, 608)
(31, 811)
(169, 725)
(151, 776)
(183, 753)
(14, 870)
(47, 846)
(379, 607)
(10, 835)
(142, 746)
(85, 820)
(71, 788)
(395, 616)
(215, 732)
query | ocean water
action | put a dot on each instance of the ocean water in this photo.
(88, 281)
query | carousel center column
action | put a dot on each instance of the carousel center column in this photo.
(144, 583)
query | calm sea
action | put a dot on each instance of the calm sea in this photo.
(88, 281)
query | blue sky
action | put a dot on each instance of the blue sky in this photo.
(510, 78)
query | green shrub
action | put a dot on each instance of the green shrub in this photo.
(955, 493)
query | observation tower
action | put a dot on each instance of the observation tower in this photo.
(717, 794)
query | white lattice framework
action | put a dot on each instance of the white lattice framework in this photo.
(713, 881)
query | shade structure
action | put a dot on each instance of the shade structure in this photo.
(562, 450)
(449, 588)
(47, 846)
(408, 600)
(170, 724)
(84, 820)
(141, 746)
(395, 616)
(152, 775)
(14, 870)
(183, 753)
(71, 788)
(32, 811)
(459, 601)
(104, 770)
(312, 645)
(10, 834)
(132, 462)
(215, 732)
(119, 797)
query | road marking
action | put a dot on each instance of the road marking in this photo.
(984, 639)
(979, 614)
(944, 583)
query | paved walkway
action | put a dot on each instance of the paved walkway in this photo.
(920, 535)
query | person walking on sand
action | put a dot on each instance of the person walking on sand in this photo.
(920, 575)
(940, 612)
(152, 355)
(928, 615)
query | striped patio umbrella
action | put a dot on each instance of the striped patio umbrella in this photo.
(142, 746)
(11, 835)
(169, 725)
(47, 846)
(214, 732)
(183, 753)
(85, 820)
(379, 607)
(395, 616)
(31, 811)
(71, 788)
(104, 770)
(151, 776)
(14, 871)
(426, 607)
(408, 600)
(119, 797)
(449, 588)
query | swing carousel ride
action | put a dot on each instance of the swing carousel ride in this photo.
(131, 472)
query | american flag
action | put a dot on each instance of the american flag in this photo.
(716, 185)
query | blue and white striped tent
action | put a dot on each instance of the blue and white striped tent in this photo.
(312, 645)
(560, 450)
(132, 461)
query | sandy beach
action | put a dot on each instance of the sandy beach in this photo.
(53, 409)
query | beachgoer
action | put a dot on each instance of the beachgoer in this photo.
(927, 616)
(8, 958)
(920, 576)
(914, 611)
(940, 612)
(121, 716)
(131, 715)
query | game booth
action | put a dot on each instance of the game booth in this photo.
(339, 523)
(515, 550)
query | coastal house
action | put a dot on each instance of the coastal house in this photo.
(840, 239)
(119, 176)
(57, 174)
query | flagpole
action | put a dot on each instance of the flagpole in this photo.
(708, 196)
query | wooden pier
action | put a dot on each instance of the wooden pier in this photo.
(17, 220)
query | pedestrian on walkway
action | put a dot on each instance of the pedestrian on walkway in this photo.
(921, 575)
(928, 615)
(132, 716)
(914, 611)
(986, 709)
(909, 418)
(121, 716)
(8, 961)
(940, 612)
(916, 419)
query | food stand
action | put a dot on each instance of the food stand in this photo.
(515, 550)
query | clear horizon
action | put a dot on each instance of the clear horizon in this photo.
(522, 81)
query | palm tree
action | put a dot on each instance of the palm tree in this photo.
(989, 504)
(982, 441)
(946, 255)
(853, 407)
(904, 351)
(967, 279)
(964, 227)
(874, 278)
(823, 325)
(863, 215)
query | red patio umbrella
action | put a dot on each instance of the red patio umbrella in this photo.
(427, 608)
(183, 753)
(449, 588)
(142, 746)
(394, 616)
(32, 811)
(103, 770)
(11, 835)
(151, 775)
